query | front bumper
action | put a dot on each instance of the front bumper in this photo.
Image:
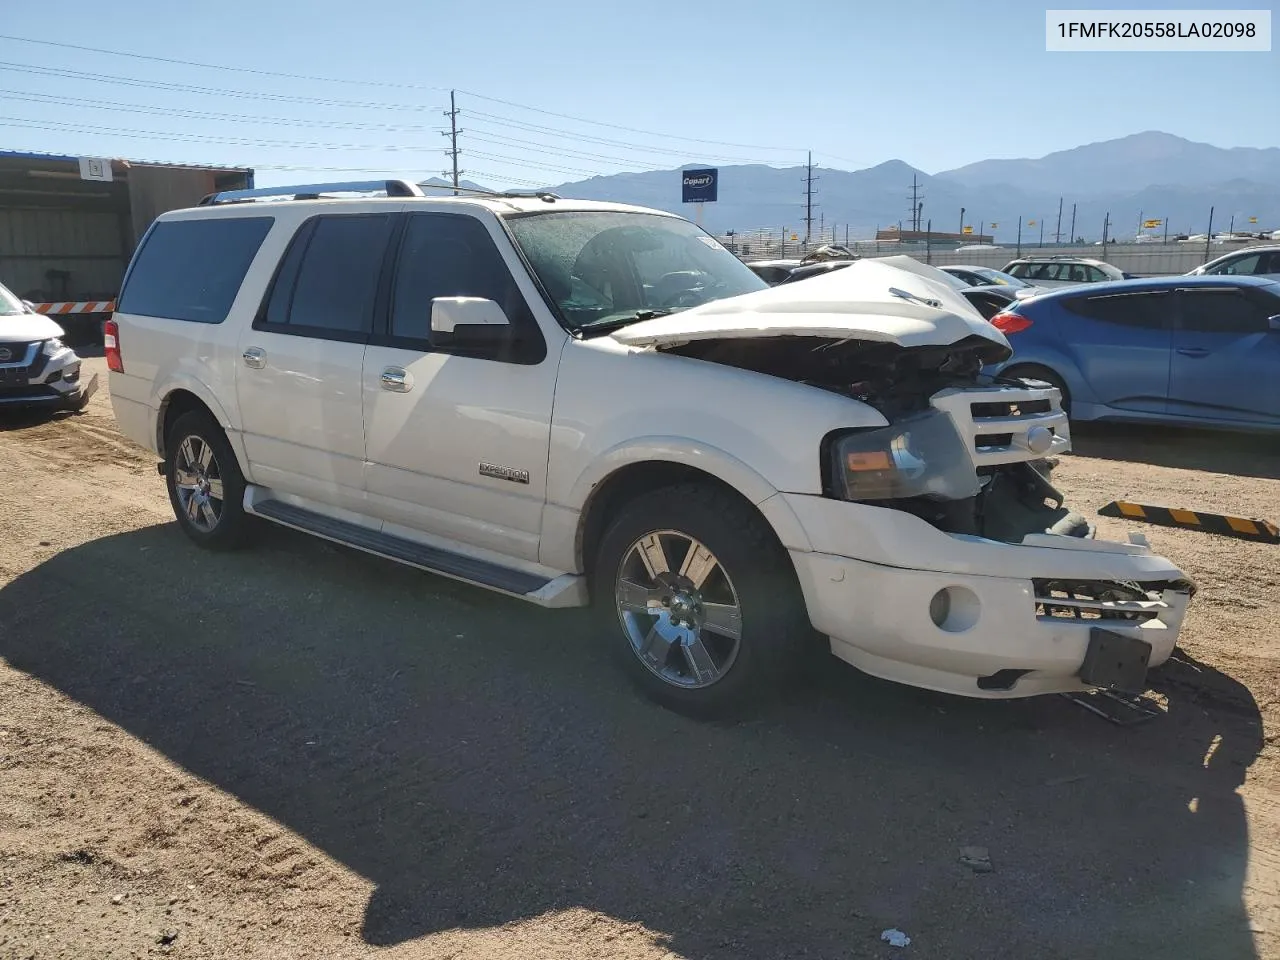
(49, 382)
(975, 617)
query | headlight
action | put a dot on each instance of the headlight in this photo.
(919, 456)
(53, 347)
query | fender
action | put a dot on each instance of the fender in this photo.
(701, 456)
(183, 380)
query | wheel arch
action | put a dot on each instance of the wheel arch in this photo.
(185, 397)
(634, 477)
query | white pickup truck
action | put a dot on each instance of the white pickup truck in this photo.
(589, 403)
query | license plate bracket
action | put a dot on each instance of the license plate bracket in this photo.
(1116, 662)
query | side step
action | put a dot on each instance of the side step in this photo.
(480, 572)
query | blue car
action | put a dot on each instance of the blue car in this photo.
(1199, 351)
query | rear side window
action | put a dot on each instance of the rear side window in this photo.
(1149, 310)
(1017, 270)
(192, 269)
(327, 283)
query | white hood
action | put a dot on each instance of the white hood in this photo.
(26, 327)
(891, 299)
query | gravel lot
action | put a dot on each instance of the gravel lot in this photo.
(301, 751)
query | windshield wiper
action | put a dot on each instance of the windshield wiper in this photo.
(617, 323)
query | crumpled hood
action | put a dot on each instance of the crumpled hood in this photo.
(891, 299)
(26, 327)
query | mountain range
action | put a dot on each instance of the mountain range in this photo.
(1149, 175)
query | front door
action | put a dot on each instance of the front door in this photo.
(1226, 359)
(1121, 344)
(301, 362)
(457, 440)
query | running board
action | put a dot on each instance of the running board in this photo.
(482, 573)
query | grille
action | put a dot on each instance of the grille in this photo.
(1099, 600)
(18, 369)
(1007, 424)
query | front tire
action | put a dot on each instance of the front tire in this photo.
(206, 487)
(699, 601)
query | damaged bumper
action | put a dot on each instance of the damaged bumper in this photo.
(981, 618)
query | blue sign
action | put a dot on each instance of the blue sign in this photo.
(699, 186)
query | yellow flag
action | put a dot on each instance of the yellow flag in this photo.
(1031, 223)
(1253, 219)
(1151, 224)
(994, 225)
(968, 230)
(795, 236)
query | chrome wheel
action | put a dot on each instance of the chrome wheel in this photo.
(678, 608)
(197, 479)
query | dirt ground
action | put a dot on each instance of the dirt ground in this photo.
(301, 751)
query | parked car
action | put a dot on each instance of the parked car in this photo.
(773, 271)
(987, 277)
(1191, 350)
(1061, 271)
(1253, 262)
(573, 403)
(36, 368)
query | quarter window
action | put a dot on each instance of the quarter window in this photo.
(1220, 310)
(192, 269)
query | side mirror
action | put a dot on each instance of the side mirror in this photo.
(1274, 322)
(31, 307)
(467, 320)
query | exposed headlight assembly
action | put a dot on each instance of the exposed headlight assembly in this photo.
(53, 347)
(918, 456)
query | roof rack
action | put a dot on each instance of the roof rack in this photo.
(312, 191)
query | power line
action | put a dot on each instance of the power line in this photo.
(185, 114)
(388, 84)
(205, 91)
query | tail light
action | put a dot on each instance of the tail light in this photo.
(111, 346)
(1009, 323)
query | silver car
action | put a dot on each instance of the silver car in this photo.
(36, 368)
(1250, 262)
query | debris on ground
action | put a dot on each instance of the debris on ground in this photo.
(976, 859)
(895, 938)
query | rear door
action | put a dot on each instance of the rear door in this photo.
(1121, 344)
(1226, 359)
(300, 363)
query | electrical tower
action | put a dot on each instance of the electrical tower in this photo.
(808, 198)
(452, 134)
(917, 204)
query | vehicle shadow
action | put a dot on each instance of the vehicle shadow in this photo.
(1216, 451)
(480, 762)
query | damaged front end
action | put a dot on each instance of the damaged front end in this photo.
(966, 453)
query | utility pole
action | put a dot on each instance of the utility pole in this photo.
(1231, 228)
(452, 134)
(928, 246)
(1073, 223)
(1106, 225)
(1057, 231)
(808, 199)
(962, 221)
(917, 204)
(1019, 236)
(1209, 237)
(1042, 231)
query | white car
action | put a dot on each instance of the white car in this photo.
(1250, 262)
(36, 368)
(1062, 271)
(573, 402)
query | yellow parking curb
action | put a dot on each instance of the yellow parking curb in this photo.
(1243, 528)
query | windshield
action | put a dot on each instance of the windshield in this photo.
(607, 269)
(9, 304)
(999, 276)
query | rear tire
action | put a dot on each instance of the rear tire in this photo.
(206, 487)
(673, 632)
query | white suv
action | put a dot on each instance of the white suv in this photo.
(575, 402)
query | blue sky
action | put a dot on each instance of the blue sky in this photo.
(935, 84)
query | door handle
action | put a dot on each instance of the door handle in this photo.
(254, 357)
(1193, 351)
(397, 380)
